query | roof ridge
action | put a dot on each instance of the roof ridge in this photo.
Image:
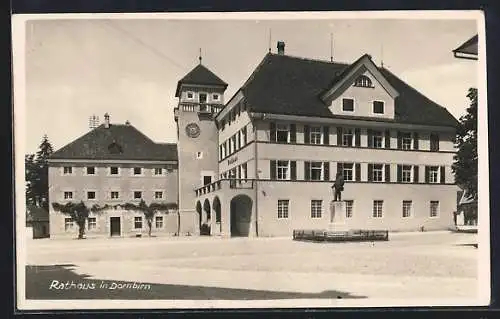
(308, 59)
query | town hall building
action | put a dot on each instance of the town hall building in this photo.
(263, 163)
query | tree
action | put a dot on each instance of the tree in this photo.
(465, 164)
(78, 212)
(149, 211)
(31, 174)
(37, 174)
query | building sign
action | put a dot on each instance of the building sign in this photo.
(232, 160)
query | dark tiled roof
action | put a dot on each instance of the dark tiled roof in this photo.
(200, 75)
(118, 142)
(468, 47)
(288, 85)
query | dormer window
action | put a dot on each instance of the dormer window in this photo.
(347, 105)
(363, 81)
(378, 107)
(190, 95)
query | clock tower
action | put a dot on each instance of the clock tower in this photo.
(201, 96)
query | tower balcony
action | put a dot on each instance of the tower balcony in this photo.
(224, 185)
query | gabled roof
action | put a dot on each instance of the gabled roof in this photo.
(289, 85)
(202, 76)
(118, 142)
(468, 47)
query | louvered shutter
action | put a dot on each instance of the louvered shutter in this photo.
(357, 168)
(400, 173)
(370, 138)
(427, 174)
(339, 136)
(415, 141)
(387, 139)
(293, 133)
(387, 173)
(400, 140)
(272, 169)
(357, 137)
(293, 170)
(370, 172)
(307, 134)
(415, 174)
(307, 171)
(442, 175)
(326, 171)
(326, 135)
(272, 130)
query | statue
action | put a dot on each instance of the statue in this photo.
(338, 187)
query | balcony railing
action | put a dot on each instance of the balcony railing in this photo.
(201, 108)
(219, 184)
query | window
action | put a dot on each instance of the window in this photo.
(68, 224)
(406, 174)
(406, 141)
(190, 95)
(282, 167)
(114, 170)
(91, 195)
(378, 173)
(90, 170)
(207, 179)
(363, 81)
(434, 139)
(159, 221)
(138, 222)
(137, 171)
(283, 208)
(233, 140)
(115, 195)
(91, 223)
(316, 208)
(433, 174)
(406, 208)
(68, 195)
(199, 155)
(377, 208)
(378, 107)
(316, 135)
(282, 133)
(67, 170)
(348, 105)
(158, 195)
(215, 97)
(158, 171)
(316, 171)
(137, 195)
(244, 136)
(349, 207)
(203, 97)
(348, 171)
(377, 139)
(434, 208)
(347, 137)
(244, 171)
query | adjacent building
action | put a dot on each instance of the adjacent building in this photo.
(263, 163)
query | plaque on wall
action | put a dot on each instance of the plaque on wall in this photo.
(193, 130)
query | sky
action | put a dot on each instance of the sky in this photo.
(129, 68)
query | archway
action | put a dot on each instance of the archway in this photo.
(216, 206)
(241, 212)
(198, 211)
(205, 226)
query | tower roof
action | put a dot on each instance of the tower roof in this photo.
(200, 75)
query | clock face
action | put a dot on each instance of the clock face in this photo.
(193, 130)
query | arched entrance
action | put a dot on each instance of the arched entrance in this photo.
(198, 211)
(241, 212)
(205, 226)
(217, 208)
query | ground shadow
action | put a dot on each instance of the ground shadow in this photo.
(60, 282)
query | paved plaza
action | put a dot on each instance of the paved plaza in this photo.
(410, 265)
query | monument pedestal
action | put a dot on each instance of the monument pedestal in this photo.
(338, 216)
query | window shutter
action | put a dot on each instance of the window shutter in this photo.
(307, 171)
(339, 136)
(415, 174)
(293, 133)
(387, 139)
(427, 174)
(400, 141)
(272, 169)
(293, 170)
(340, 169)
(387, 173)
(400, 173)
(357, 137)
(326, 171)
(307, 134)
(370, 172)
(415, 141)
(370, 138)
(272, 130)
(326, 135)
(357, 168)
(442, 175)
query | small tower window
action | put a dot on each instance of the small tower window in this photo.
(215, 97)
(190, 95)
(363, 81)
(203, 98)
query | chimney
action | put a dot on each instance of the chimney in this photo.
(281, 48)
(106, 120)
(127, 122)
